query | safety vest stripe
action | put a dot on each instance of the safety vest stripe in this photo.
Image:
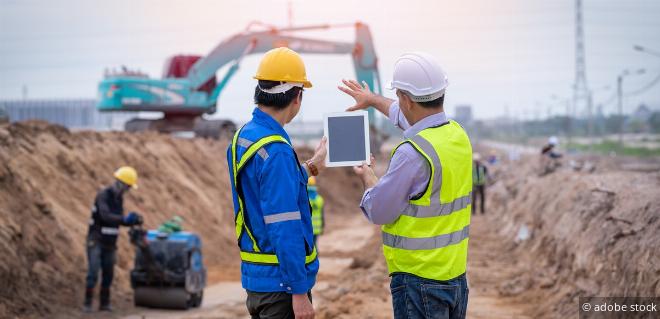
(109, 231)
(425, 243)
(281, 217)
(435, 183)
(254, 148)
(271, 259)
(257, 256)
(438, 209)
(247, 143)
(244, 142)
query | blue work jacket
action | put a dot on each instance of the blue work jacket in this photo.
(276, 209)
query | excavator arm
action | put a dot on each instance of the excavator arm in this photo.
(237, 47)
(183, 99)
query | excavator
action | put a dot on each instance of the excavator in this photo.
(189, 87)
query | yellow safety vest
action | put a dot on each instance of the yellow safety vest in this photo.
(430, 237)
(317, 214)
(256, 256)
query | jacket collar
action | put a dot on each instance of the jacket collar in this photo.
(431, 120)
(264, 119)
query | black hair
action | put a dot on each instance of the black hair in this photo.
(278, 101)
(434, 104)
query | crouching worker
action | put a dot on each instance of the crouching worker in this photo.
(107, 216)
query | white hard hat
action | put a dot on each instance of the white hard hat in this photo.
(476, 156)
(553, 140)
(419, 74)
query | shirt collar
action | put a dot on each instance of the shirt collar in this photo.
(263, 118)
(429, 121)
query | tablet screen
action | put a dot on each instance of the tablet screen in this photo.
(346, 138)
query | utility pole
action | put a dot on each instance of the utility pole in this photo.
(581, 93)
(619, 93)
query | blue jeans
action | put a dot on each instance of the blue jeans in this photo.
(100, 258)
(416, 298)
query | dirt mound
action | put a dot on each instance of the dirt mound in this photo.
(591, 234)
(48, 179)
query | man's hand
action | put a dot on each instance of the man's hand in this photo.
(364, 97)
(318, 159)
(366, 173)
(361, 93)
(302, 307)
(133, 218)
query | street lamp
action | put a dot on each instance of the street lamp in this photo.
(646, 50)
(590, 122)
(619, 87)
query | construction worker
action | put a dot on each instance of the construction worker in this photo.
(550, 158)
(423, 200)
(316, 202)
(479, 180)
(269, 186)
(107, 216)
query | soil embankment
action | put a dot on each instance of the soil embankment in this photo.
(48, 179)
(594, 232)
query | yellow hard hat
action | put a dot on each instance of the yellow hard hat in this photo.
(282, 64)
(311, 181)
(127, 175)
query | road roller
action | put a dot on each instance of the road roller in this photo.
(169, 271)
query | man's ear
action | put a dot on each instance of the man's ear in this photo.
(299, 97)
(405, 102)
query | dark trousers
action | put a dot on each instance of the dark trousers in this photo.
(418, 298)
(271, 305)
(100, 258)
(479, 191)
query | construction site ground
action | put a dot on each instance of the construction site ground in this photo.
(544, 241)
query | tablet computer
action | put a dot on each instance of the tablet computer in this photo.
(348, 138)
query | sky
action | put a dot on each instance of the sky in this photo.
(505, 57)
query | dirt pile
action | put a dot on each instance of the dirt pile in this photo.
(590, 234)
(48, 179)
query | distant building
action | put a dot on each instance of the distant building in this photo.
(75, 113)
(638, 121)
(642, 113)
(463, 114)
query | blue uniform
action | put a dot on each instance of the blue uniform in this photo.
(273, 185)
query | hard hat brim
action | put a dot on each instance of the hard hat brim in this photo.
(306, 84)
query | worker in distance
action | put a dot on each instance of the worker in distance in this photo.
(107, 216)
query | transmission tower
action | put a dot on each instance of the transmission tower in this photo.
(581, 93)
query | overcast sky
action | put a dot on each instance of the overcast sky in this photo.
(499, 55)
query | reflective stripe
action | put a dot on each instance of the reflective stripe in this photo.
(436, 168)
(247, 143)
(109, 231)
(262, 152)
(257, 148)
(440, 241)
(244, 142)
(271, 259)
(438, 209)
(281, 217)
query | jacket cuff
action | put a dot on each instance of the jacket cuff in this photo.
(297, 287)
(304, 172)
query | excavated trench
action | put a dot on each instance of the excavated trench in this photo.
(589, 233)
